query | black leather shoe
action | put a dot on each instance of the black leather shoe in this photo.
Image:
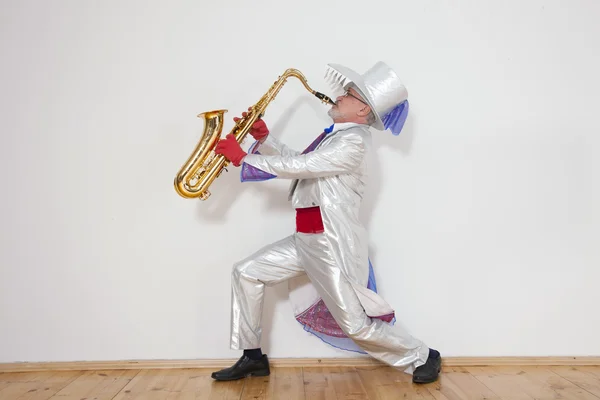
(244, 367)
(429, 371)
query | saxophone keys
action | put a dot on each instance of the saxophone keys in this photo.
(205, 195)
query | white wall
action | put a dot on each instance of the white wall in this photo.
(484, 214)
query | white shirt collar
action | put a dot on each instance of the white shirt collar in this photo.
(343, 125)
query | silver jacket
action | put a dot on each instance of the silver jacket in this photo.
(334, 173)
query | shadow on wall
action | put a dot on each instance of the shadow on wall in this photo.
(402, 145)
(227, 189)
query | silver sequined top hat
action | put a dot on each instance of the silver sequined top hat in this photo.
(380, 87)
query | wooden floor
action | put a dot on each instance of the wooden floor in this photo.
(375, 382)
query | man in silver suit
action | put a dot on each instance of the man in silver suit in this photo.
(330, 245)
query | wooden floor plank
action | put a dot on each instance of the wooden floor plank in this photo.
(587, 378)
(542, 383)
(36, 385)
(198, 385)
(175, 384)
(214, 390)
(346, 383)
(390, 383)
(97, 385)
(594, 370)
(456, 383)
(289, 384)
(151, 384)
(375, 382)
(507, 383)
(317, 385)
(12, 378)
(258, 388)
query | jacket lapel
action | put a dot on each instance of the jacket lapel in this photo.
(313, 146)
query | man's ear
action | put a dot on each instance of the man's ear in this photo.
(363, 112)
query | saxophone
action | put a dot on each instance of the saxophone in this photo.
(203, 166)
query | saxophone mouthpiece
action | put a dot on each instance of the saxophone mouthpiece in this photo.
(324, 98)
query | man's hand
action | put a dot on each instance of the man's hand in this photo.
(231, 149)
(259, 130)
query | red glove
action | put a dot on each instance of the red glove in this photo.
(231, 149)
(259, 130)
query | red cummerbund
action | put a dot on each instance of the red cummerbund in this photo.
(308, 220)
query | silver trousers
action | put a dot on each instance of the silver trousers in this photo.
(314, 255)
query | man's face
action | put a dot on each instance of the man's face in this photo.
(349, 107)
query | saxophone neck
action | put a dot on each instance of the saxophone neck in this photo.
(300, 76)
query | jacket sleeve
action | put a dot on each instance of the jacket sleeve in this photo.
(272, 147)
(342, 155)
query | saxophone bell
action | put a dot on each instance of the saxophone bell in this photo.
(191, 178)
